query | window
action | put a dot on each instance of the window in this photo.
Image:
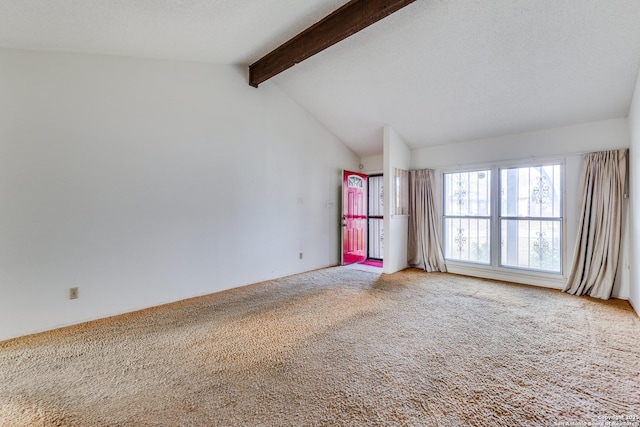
(515, 222)
(400, 192)
(531, 217)
(467, 216)
(355, 181)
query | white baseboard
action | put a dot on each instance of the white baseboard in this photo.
(542, 280)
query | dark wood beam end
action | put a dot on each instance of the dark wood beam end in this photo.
(342, 23)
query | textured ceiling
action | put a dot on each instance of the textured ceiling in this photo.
(438, 71)
(216, 31)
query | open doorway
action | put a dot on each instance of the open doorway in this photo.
(375, 220)
(354, 217)
(362, 219)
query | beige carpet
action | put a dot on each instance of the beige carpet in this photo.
(336, 347)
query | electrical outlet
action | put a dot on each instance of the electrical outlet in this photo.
(73, 293)
(300, 256)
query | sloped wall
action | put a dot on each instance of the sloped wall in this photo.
(144, 182)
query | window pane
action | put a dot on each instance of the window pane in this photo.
(531, 244)
(401, 192)
(376, 238)
(467, 239)
(467, 193)
(531, 192)
(376, 195)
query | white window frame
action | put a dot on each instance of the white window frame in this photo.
(476, 217)
(494, 269)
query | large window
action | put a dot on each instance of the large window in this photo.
(515, 222)
(531, 217)
(467, 221)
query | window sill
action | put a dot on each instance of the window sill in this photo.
(535, 278)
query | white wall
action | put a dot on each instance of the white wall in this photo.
(578, 139)
(634, 199)
(372, 164)
(567, 144)
(396, 227)
(144, 182)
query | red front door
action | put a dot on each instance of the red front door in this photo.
(354, 217)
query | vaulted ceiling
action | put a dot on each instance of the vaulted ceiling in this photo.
(438, 71)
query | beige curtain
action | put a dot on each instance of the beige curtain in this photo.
(425, 250)
(600, 226)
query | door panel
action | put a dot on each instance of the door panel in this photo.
(354, 217)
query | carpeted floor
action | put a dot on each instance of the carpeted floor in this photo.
(337, 347)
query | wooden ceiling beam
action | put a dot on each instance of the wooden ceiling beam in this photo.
(342, 23)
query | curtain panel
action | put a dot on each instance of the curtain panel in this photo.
(597, 251)
(425, 250)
